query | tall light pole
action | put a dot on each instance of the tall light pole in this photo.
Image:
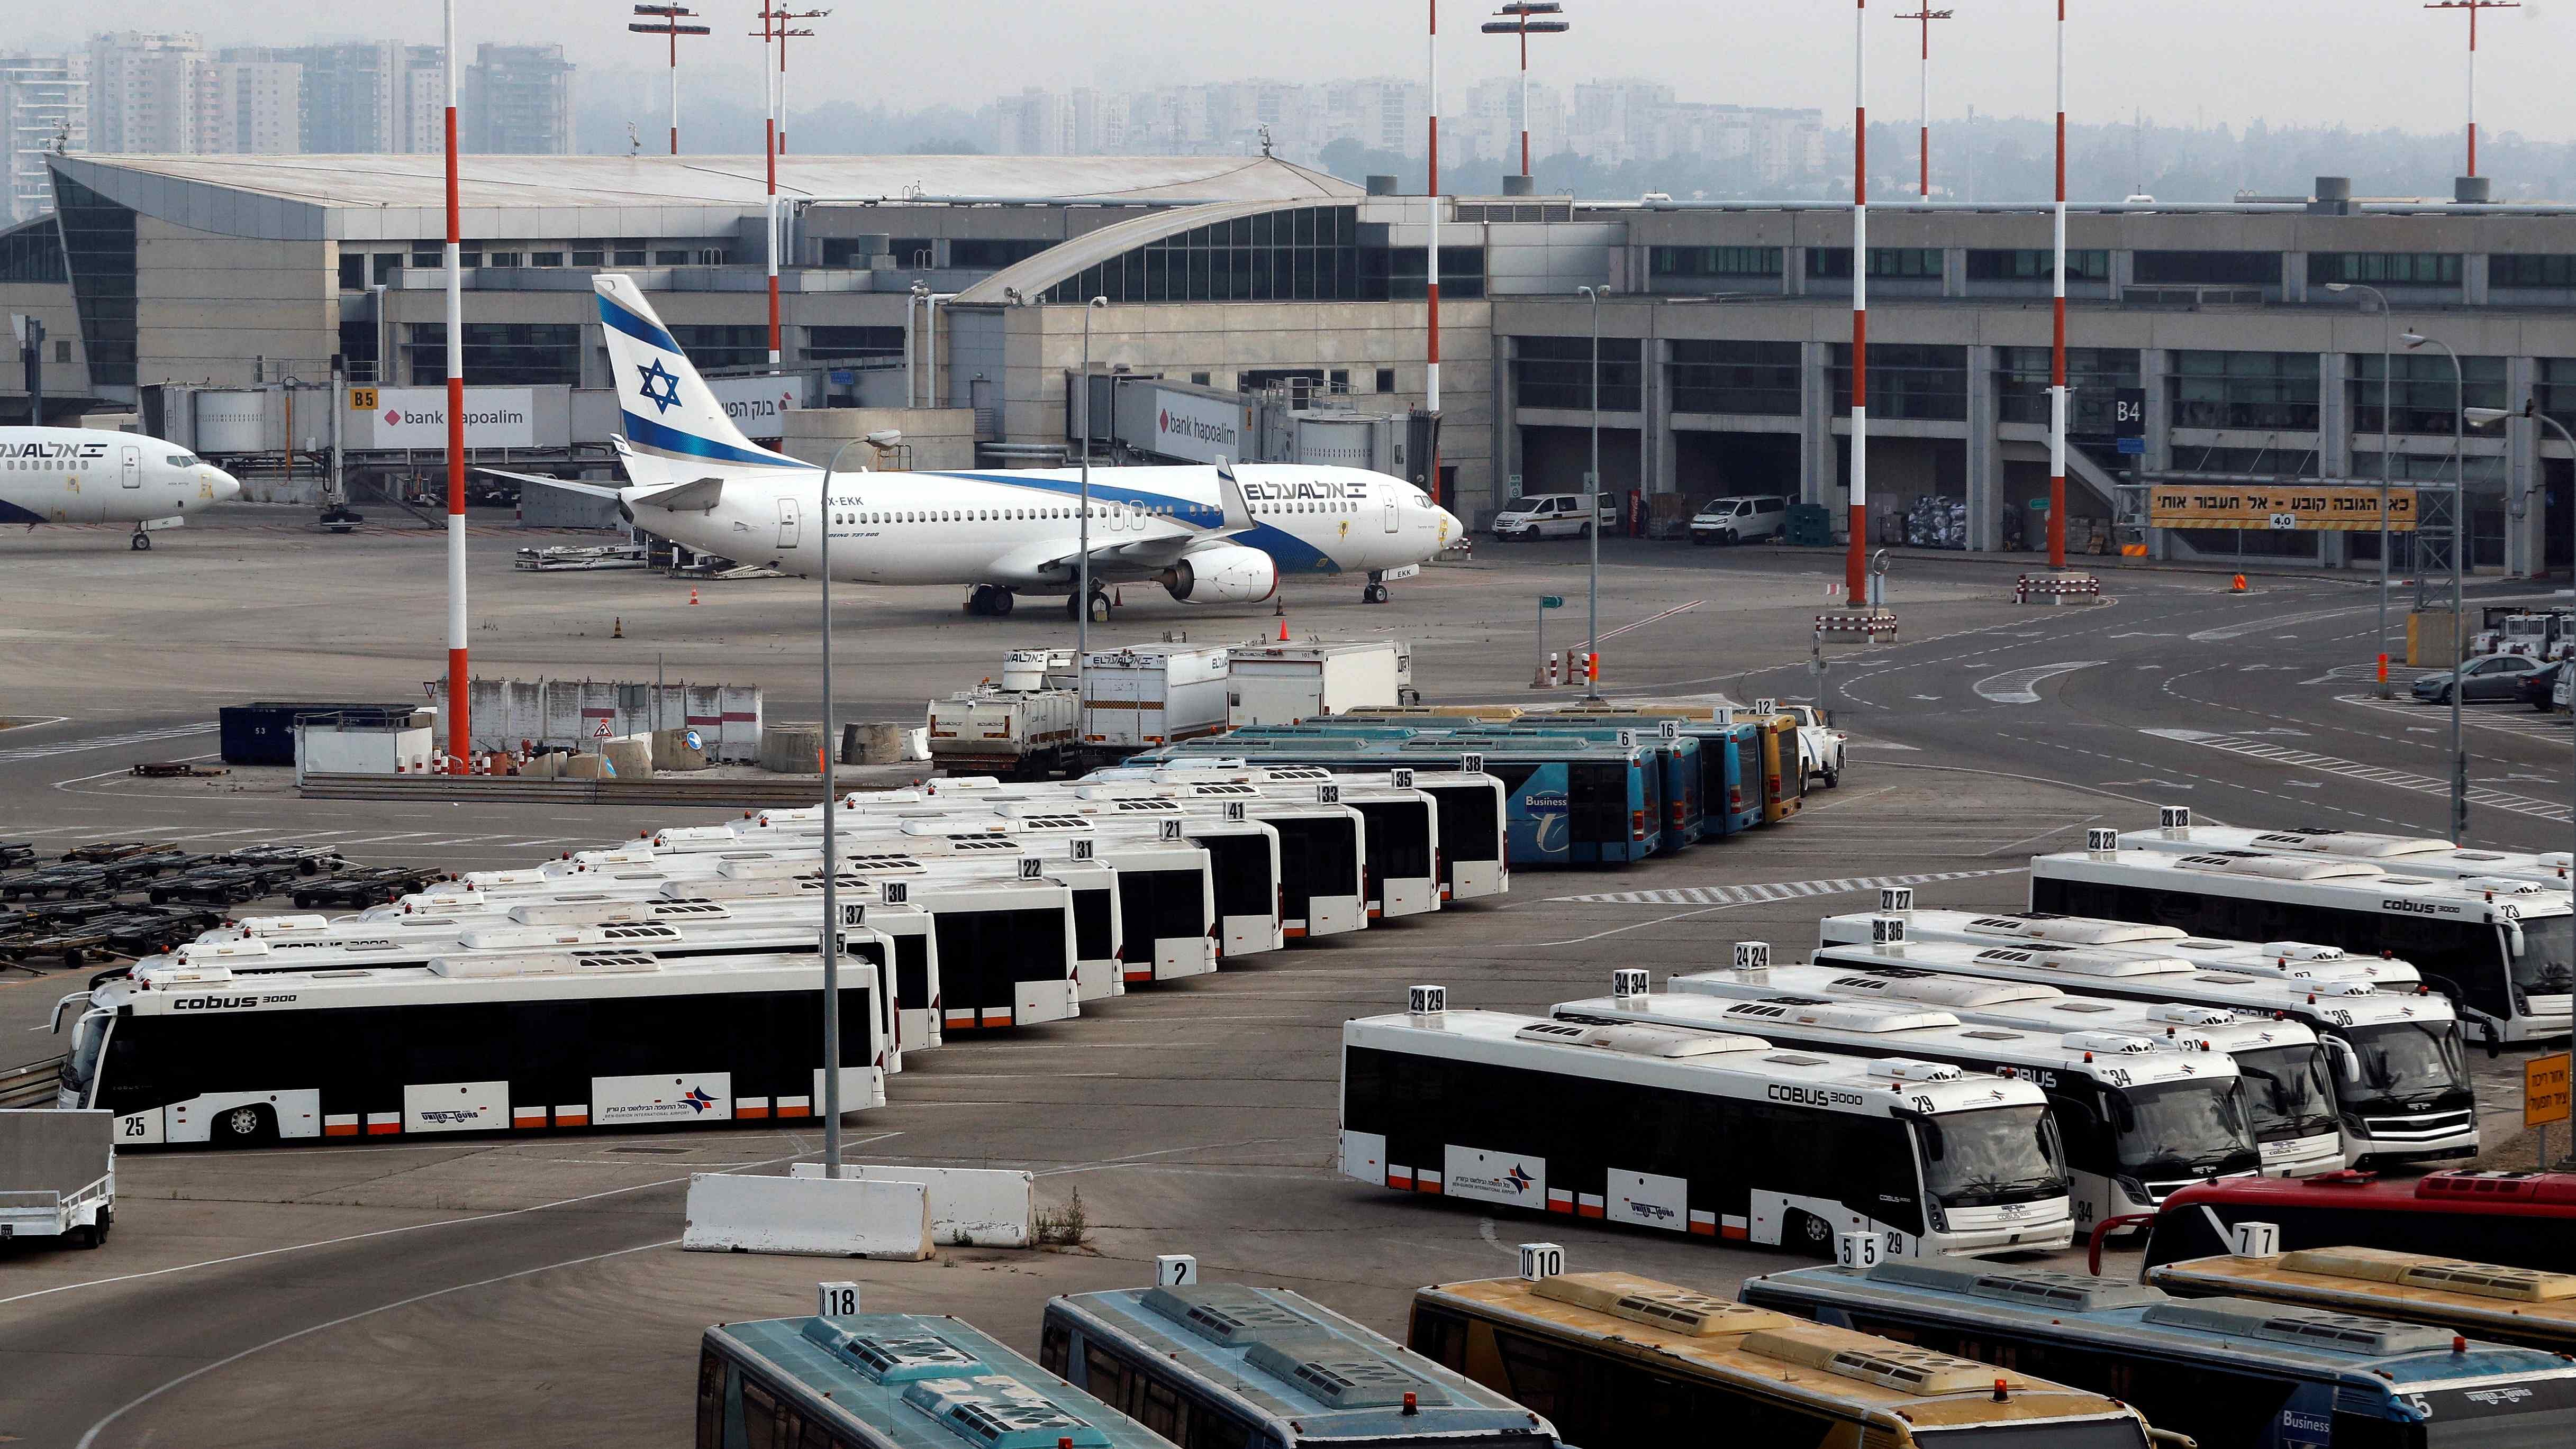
(2386, 382)
(2488, 417)
(772, 20)
(1522, 25)
(1082, 548)
(785, 20)
(831, 865)
(2057, 307)
(1855, 561)
(2459, 509)
(1925, 17)
(668, 25)
(1431, 259)
(1592, 516)
(2473, 7)
(460, 708)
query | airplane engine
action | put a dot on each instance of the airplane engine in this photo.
(1229, 574)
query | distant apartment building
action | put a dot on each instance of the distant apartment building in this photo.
(1491, 126)
(44, 104)
(145, 92)
(1615, 122)
(518, 101)
(250, 107)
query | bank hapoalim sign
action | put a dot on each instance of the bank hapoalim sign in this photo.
(2285, 507)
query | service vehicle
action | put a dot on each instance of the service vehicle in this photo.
(1265, 1368)
(2137, 1121)
(890, 1381)
(1612, 1358)
(2402, 1088)
(1276, 683)
(1019, 733)
(2222, 1371)
(1534, 516)
(2521, 1219)
(520, 1042)
(1717, 1136)
(1821, 743)
(2538, 634)
(2503, 950)
(57, 1175)
(1145, 696)
(2484, 1300)
(1749, 518)
(2289, 1083)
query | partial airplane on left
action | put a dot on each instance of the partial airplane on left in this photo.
(88, 475)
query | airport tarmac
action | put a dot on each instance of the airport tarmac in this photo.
(531, 1291)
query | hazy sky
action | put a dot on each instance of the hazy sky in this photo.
(2367, 65)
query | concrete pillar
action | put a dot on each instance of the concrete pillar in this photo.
(1660, 473)
(2152, 368)
(2334, 442)
(594, 357)
(2294, 276)
(1819, 467)
(2473, 281)
(1985, 454)
(1507, 421)
(2526, 519)
(1954, 272)
(1793, 271)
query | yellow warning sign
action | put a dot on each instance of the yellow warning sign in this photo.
(2544, 1090)
(2291, 508)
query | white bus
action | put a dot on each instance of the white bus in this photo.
(506, 1043)
(2137, 1122)
(2402, 1089)
(311, 943)
(1400, 830)
(2411, 854)
(1722, 1137)
(2269, 960)
(1473, 838)
(2503, 950)
(2289, 1084)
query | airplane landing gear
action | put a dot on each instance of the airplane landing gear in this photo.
(142, 542)
(1375, 594)
(1099, 607)
(991, 601)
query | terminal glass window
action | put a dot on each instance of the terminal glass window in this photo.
(2240, 269)
(2037, 264)
(98, 246)
(1715, 261)
(2390, 269)
(2093, 374)
(714, 347)
(2423, 397)
(2557, 269)
(2555, 389)
(993, 253)
(1397, 273)
(1906, 382)
(828, 342)
(1896, 263)
(1305, 253)
(1735, 377)
(1556, 372)
(2261, 390)
(353, 271)
(590, 259)
(32, 253)
(502, 354)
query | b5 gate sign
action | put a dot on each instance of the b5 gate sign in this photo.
(2294, 506)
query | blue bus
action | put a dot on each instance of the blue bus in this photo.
(2226, 1371)
(1732, 787)
(1683, 774)
(1228, 1366)
(890, 1381)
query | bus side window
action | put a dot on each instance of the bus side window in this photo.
(1053, 1341)
(1158, 1407)
(1540, 1375)
(764, 1419)
(1107, 1379)
(1439, 1336)
(711, 1400)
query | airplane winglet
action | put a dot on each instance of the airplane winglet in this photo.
(1229, 493)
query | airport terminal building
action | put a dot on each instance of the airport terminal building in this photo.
(950, 291)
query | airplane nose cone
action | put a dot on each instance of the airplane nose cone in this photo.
(227, 487)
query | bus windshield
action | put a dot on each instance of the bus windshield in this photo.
(2409, 1058)
(80, 1067)
(2287, 1091)
(2546, 964)
(1991, 1156)
(2170, 1129)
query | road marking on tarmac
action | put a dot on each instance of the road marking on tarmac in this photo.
(2354, 769)
(2021, 686)
(1787, 890)
(2255, 626)
(100, 742)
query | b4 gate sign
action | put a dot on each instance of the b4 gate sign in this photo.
(2298, 507)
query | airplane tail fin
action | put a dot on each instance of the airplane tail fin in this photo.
(669, 412)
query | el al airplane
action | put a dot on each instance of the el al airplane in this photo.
(1207, 534)
(90, 475)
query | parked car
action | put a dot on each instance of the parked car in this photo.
(2497, 676)
(1554, 515)
(2540, 686)
(1740, 520)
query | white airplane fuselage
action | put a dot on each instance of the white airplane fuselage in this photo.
(90, 475)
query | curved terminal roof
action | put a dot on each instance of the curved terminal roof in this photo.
(1031, 278)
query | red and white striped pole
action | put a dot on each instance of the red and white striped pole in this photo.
(770, 46)
(460, 724)
(1855, 562)
(1431, 294)
(2057, 354)
(2473, 7)
(1924, 17)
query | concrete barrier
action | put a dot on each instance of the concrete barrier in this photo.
(850, 1218)
(979, 1206)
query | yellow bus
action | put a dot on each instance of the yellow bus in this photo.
(1615, 1359)
(2528, 1306)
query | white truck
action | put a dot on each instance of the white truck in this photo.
(57, 1174)
(1820, 745)
(1150, 695)
(1024, 727)
(1285, 683)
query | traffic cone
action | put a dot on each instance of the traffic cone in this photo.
(2236, 585)
(618, 632)
(693, 595)
(1283, 628)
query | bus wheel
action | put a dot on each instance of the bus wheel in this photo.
(1807, 1231)
(243, 1126)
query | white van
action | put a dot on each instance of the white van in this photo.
(1553, 515)
(1740, 520)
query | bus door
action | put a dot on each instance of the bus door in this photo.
(916, 981)
(1600, 796)
(1684, 806)
(1318, 874)
(1535, 819)
(1099, 940)
(1471, 841)
(1399, 879)
(1164, 909)
(1784, 776)
(1246, 866)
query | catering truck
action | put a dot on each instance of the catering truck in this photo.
(1283, 683)
(57, 1174)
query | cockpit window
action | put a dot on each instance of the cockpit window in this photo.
(181, 460)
